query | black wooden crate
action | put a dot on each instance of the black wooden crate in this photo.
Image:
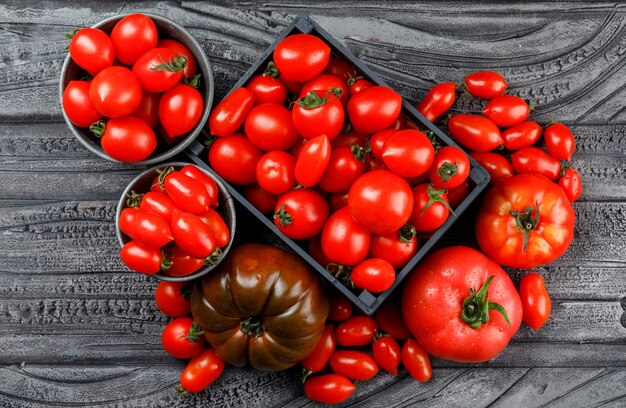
(478, 179)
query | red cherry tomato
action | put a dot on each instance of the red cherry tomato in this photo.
(318, 113)
(390, 321)
(387, 354)
(408, 153)
(507, 110)
(92, 50)
(356, 85)
(374, 275)
(181, 263)
(235, 158)
(354, 364)
(145, 227)
(115, 92)
(301, 214)
(374, 109)
(312, 161)
(156, 202)
(230, 114)
(77, 105)
(317, 360)
(148, 109)
(187, 193)
(377, 142)
(416, 361)
(261, 200)
(159, 69)
(192, 235)
(571, 183)
(182, 338)
(270, 127)
(300, 57)
(485, 84)
(132, 36)
(458, 194)
(275, 172)
(349, 139)
(172, 298)
(217, 225)
(267, 89)
(496, 165)
(531, 160)
(356, 331)
(431, 208)
(325, 82)
(340, 308)
(344, 240)
(522, 135)
(207, 181)
(380, 201)
(535, 300)
(141, 258)
(180, 109)
(328, 388)
(191, 66)
(438, 100)
(201, 371)
(475, 132)
(559, 141)
(450, 167)
(397, 247)
(340, 68)
(342, 170)
(127, 139)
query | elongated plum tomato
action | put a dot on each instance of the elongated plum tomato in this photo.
(438, 100)
(132, 36)
(191, 66)
(522, 135)
(380, 201)
(317, 360)
(187, 193)
(218, 227)
(77, 106)
(192, 235)
(172, 298)
(157, 202)
(142, 258)
(201, 371)
(115, 92)
(92, 50)
(270, 127)
(344, 240)
(301, 57)
(312, 161)
(328, 388)
(450, 167)
(325, 82)
(148, 109)
(203, 178)
(145, 227)
(127, 139)
(230, 114)
(181, 263)
(485, 84)
(559, 141)
(475, 132)
(356, 331)
(301, 214)
(374, 109)
(275, 172)
(507, 110)
(496, 165)
(235, 158)
(374, 275)
(180, 109)
(408, 153)
(532, 160)
(535, 300)
(354, 364)
(387, 354)
(571, 184)
(159, 69)
(318, 113)
(416, 361)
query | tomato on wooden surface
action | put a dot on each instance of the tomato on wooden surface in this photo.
(485, 84)
(522, 135)
(182, 338)
(535, 300)
(181, 263)
(187, 193)
(560, 141)
(132, 36)
(416, 361)
(438, 100)
(148, 109)
(356, 331)
(217, 225)
(343, 169)
(207, 182)
(328, 388)
(235, 158)
(142, 258)
(115, 92)
(397, 247)
(262, 200)
(450, 167)
(571, 183)
(475, 132)
(461, 305)
(354, 364)
(127, 139)
(180, 109)
(312, 161)
(390, 321)
(275, 172)
(191, 65)
(373, 274)
(159, 69)
(91, 49)
(374, 109)
(532, 160)
(192, 235)
(498, 166)
(301, 214)
(301, 57)
(430, 208)
(172, 298)
(408, 153)
(270, 127)
(145, 227)
(77, 105)
(319, 357)
(507, 110)
(387, 354)
(318, 113)
(525, 221)
(201, 371)
(230, 114)
(340, 308)
(325, 82)
(344, 240)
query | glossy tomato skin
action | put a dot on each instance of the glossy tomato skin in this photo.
(163, 78)
(501, 237)
(192, 235)
(408, 153)
(148, 109)
(377, 142)
(340, 68)
(181, 338)
(132, 36)
(270, 127)
(145, 227)
(428, 217)
(387, 354)
(354, 364)
(485, 84)
(180, 109)
(187, 193)
(438, 100)
(380, 201)
(158, 203)
(316, 251)
(312, 161)
(207, 182)
(141, 258)
(275, 172)
(325, 119)
(301, 57)
(342, 171)
(458, 194)
(77, 105)
(267, 89)
(172, 298)
(301, 214)
(357, 85)
(230, 114)
(235, 158)
(535, 300)
(450, 167)
(393, 249)
(441, 282)
(262, 200)
(356, 331)
(349, 139)
(560, 141)
(191, 66)
(571, 184)
(522, 135)
(374, 109)
(201, 371)
(323, 83)
(340, 308)
(128, 139)
(496, 165)
(507, 110)
(317, 360)
(475, 132)
(328, 388)
(416, 361)
(92, 50)
(344, 240)
(374, 275)
(115, 92)
(390, 321)
(532, 160)
(182, 263)
(218, 227)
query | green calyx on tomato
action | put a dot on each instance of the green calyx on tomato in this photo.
(407, 233)
(98, 128)
(352, 79)
(175, 64)
(163, 173)
(271, 70)
(133, 199)
(214, 258)
(312, 100)
(433, 140)
(447, 170)
(194, 334)
(252, 326)
(342, 272)
(436, 196)
(358, 152)
(526, 222)
(165, 264)
(208, 139)
(193, 82)
(476, 307)
(283, 216)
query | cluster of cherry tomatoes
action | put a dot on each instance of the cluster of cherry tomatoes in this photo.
(339, 165)
(174, 227)
(137, 84)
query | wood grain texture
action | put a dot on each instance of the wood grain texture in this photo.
(77, 329)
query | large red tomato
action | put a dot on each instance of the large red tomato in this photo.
(318, 113)
(92, 50)
(235, 158)
(115, 92)
(132, 36)
(525, 221)
(461, 306)
(301, 214)
(180, 109)
(301, 57)
(374, 109)
(269, 127)
(344, 240)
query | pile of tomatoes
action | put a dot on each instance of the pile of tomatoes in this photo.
(137, 86)
(338, 165)
(175, 227)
